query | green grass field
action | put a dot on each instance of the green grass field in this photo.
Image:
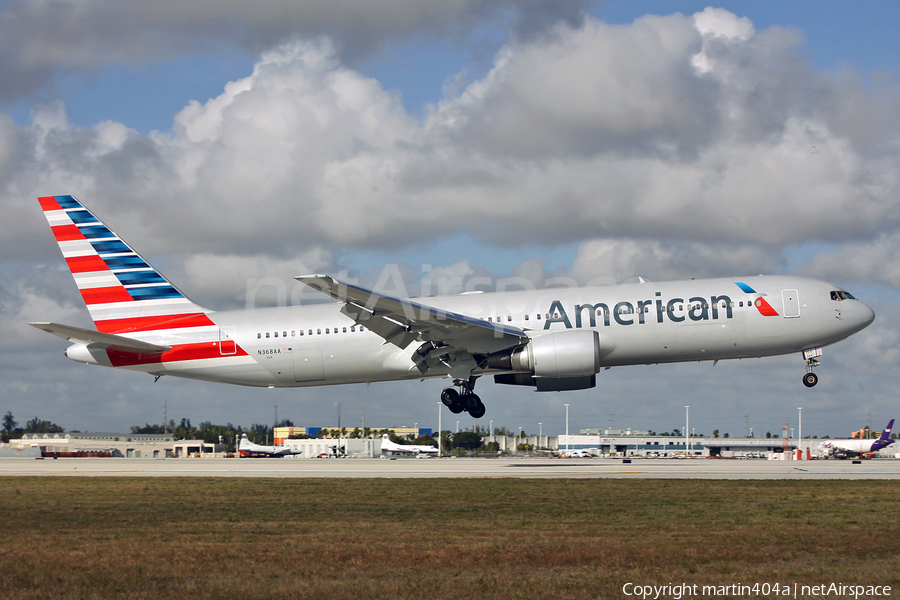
(184, 538)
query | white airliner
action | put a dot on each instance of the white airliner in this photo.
(248, 449)
(388, 446)
(552, 339)
(850, 448)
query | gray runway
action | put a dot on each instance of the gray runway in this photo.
(453, 468)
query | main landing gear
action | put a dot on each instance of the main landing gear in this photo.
(463, 400)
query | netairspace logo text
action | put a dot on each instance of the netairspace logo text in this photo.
(796, 590)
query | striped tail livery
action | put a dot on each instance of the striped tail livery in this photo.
(140, 316)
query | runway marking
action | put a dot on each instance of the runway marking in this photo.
(586, 474)
(90, 472)
(455, 469)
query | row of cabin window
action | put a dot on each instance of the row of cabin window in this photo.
(328, 330)
(625, 311)
(509, 318)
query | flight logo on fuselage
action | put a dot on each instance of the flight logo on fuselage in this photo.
(764, 308)
(628, 313)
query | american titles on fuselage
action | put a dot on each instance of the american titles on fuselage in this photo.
(623, 313)
(676, 310)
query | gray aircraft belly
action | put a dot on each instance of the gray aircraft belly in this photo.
(308, 364)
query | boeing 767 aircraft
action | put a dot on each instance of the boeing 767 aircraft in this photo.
(552, 339)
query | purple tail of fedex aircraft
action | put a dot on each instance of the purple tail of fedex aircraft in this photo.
(885, 439)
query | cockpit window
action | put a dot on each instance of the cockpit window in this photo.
(841, 295)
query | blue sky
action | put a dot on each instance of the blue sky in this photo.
(472, 164)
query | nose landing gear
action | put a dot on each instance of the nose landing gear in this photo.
(463, 400)
(810, 379)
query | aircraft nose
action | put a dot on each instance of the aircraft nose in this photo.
(869, 314)
(863, 315)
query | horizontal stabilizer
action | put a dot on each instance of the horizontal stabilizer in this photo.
(97, 339)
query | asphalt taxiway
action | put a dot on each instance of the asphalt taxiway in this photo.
(453, 468)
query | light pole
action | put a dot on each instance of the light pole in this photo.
(687, 427)
(800, 427)
(440, 435)
(567, 427)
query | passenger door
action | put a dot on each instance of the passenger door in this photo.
(791, 301)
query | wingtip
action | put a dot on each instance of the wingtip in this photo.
(312, 276)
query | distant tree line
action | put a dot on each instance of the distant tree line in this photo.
(12, 431)
(228, 434)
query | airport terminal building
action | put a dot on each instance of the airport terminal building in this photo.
(130, 445)
(588, 443)
(641, 444)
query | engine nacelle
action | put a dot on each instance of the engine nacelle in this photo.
(557, 354)
(571, 353)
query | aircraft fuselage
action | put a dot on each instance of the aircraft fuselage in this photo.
(638, 324)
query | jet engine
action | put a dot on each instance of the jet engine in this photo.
(552, 361)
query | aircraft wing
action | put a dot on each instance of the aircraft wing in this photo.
(98, 339)
(401, 321)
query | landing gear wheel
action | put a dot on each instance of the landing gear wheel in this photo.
(810, 379)
(470, 401)
(474, 405)
(449, 396)
(478, 411)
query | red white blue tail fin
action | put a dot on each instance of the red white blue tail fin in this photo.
(121, 290)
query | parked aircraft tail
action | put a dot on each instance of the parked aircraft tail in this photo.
(121, 290)
(885, 439)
